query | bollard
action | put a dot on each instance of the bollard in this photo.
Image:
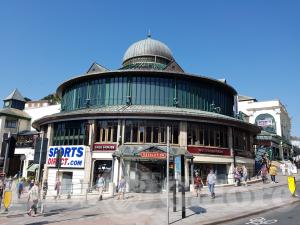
(111, 189)
(86, 194)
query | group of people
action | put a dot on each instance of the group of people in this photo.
(240, 175)
(210, 182)
(100, 185)
(289, 168)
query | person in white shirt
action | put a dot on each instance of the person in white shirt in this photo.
(100, 185)
(283, 168)
(211, 181)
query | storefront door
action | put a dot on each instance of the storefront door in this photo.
(147, 176)
(66, 184)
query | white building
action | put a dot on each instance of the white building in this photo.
(274, 121)
(16, 117)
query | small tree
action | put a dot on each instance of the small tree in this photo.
(52, 98)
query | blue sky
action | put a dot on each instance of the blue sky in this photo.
(253, 44)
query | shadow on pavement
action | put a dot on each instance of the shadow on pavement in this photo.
(196, 210)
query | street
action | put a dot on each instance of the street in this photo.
(151, 208)
(288, 215)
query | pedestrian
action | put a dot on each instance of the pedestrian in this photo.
(31, 184)
(283, 168)
(264, 173)
(245, 175)
(237, 176)
(20, 188)
(1, 190)
(211, 181)
(45, 188)
(100, 184)
(289, 168)
(33, 197)
(8, 183)
(122, 188)
(273, 173)
(57, 188)
(198, 184)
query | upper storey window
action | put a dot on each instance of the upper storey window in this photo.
(140, 131)
(149, 90)
(106, 131)
(70, 133)
(207, 135)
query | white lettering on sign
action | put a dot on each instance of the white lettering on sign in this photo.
(265, 123)
(72, 156)
(261, 220)
(157, 155)
(105, 147)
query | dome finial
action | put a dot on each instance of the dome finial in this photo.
(149, 33)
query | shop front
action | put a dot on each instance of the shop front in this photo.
(217, 159)
(103, 163)
(144, 166)
(70, 171)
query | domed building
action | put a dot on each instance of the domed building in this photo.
(115, 122)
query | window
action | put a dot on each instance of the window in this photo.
(11, 123)
(70, 133)
(108, 131)
(207, 135)
(139, 131)
(241, 140)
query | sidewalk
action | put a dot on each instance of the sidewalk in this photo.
(138, 208)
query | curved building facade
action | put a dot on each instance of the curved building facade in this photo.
(115, 123)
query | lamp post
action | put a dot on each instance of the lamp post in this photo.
(6, 154)
(168, 162)
(40, 157)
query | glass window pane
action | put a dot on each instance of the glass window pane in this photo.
(155, 134)
(134, 132)
(148, 134)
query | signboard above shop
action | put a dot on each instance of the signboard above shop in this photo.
(104, 147)
(266, 122)
(208, 150)
(153, 155)
(72, 156)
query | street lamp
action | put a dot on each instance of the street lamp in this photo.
(40, 157)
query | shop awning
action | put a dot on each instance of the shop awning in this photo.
(33, 167)
(135, 150)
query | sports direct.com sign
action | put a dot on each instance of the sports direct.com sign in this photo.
(72, 156)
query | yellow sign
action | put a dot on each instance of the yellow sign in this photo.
(7, 199)
(292, 184)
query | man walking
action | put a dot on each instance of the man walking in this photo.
(211, 181)
(20, 188)
(100, 185)
(121, 188)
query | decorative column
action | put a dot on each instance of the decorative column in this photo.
(89, 151)
(232, 164)
(49, 136)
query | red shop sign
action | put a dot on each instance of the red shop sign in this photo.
(153, 155)
(207, 150)
(104, 147)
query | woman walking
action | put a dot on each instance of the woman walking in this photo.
(33, 196)
(198, 184)
(273, 173)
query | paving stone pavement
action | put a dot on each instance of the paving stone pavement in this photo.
(151, 208)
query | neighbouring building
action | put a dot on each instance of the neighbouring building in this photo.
(115, 122)
(13, 120)
(16, 118)
(275, 123)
